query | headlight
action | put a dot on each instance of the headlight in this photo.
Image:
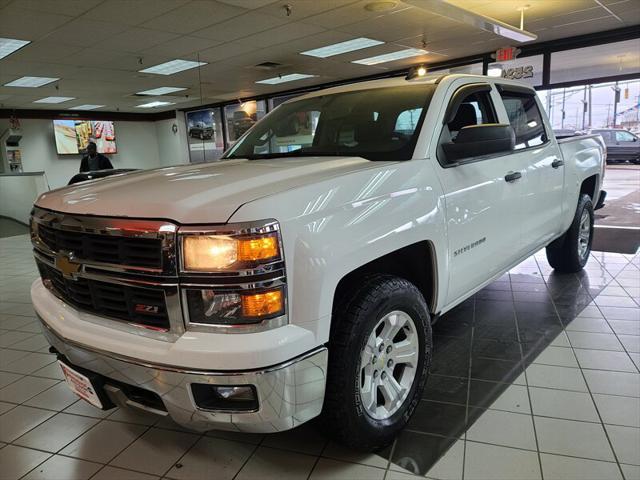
(212, 253)
(211, 307)
(233, 276)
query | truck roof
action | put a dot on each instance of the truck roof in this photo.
(432, 78)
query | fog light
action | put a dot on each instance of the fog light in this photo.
(225, 397)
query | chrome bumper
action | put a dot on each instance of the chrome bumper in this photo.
(289, 394)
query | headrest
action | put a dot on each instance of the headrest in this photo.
(465, 116)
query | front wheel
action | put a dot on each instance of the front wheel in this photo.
(380, 351)
(569, 254)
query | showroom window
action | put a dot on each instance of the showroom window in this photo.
(606, 60)
(241, 117)
(525, 118)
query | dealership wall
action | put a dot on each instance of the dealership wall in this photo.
(140, 145)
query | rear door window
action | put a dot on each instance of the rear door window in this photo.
(525, 119)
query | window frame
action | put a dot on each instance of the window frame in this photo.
(447, 114)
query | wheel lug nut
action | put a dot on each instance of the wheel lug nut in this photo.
(389, 349)
(390, 363)
(381, 347)
(375, 374)
(374, 360)
(383, 376)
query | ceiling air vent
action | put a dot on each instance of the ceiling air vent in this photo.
(268, 66)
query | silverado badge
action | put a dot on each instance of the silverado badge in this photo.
(66, 265)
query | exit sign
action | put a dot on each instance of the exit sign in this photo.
(505, 54)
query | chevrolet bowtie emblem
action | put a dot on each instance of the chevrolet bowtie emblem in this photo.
(66, 265)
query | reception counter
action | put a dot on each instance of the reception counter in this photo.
(18, 191)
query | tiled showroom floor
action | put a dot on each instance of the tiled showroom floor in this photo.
(535, 377)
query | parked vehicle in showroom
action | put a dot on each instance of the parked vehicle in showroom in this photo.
(301, 275)
(201, 131)
(622, 145)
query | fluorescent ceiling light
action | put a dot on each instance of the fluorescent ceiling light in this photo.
(390, 57)
(174, 66)
(161, 91)
(54, 99)
(463, 15)
(30, 82)
(342, 47)
(86, 107)
(285, 78)
(10, 45)
(154, 104)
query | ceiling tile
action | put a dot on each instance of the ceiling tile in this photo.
(304, 8)
(248, 4)
(138, 39)
(242, 26)
(281, 34)
(72, 8)
(132, 12)
(45, 52)
(194, 16)
(83, 30)
(182, 47)
(223, 51)
(352, 13)
(25, 25)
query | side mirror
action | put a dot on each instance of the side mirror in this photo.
(479, 140)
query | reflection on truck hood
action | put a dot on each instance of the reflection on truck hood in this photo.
(202, 193)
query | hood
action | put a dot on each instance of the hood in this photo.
(201, 193)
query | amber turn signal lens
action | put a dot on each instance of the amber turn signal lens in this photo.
(262, 304)
(259, 248)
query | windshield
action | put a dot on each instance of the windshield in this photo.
(376, 124)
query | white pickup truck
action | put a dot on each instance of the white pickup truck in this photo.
(300, 275)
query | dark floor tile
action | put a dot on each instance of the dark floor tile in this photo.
(495, 370)
(539, 308)
(503, 295)
(494, 310)
(526, 278)
(529, 296)
(497, 349)
(438, 418)
(539, 333)
(453, 326)
(483, 394)
(446, 389)
(496, 331)
(499, 285)
(418, 452)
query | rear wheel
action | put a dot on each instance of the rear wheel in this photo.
(380, 351)
(571, 251)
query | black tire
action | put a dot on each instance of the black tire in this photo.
(564, 254)
(344, 417)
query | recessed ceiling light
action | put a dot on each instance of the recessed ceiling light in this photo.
(86, 107)
(54, 99)
(161, 91)
(174, 66)
(285, 78)
(342, 47)
(390, 57)
(154, 104)
(10, 45)
(30, 82)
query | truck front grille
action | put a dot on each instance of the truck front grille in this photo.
(144, 306)
(118, 268)
(137, 252)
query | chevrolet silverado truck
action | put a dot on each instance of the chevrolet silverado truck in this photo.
(300, 276)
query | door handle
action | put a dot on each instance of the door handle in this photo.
(512, 176)
(557, 163)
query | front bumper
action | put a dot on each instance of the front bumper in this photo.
(289, 393)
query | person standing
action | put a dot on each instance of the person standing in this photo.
(93, 160)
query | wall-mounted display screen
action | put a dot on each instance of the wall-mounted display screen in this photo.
(72, 136)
